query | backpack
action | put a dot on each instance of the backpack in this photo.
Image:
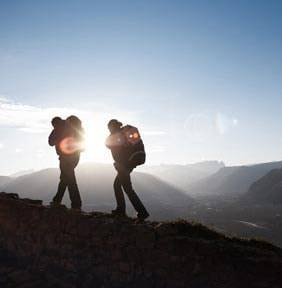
(134, 144)
(72, 140)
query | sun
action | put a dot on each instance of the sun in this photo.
(95, 149)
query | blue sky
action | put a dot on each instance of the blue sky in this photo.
(202, 79)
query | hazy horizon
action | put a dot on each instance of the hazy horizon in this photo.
(200, 80)
(143, 168)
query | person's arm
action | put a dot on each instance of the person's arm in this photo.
(52, 140)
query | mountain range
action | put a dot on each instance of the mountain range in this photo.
(245, 200)
(230, 182)
(266, 190)
(95, 181)
(240, 200)
(182, 176)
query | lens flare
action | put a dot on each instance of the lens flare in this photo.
(70, 146)
(133, 137)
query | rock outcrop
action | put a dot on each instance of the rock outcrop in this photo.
(55, 247)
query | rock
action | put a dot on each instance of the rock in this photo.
(31, 201)
(5, 195)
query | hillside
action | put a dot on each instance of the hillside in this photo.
(4, 180)
(51, 247)
(231, 182)
(267, 189)
(182, 176)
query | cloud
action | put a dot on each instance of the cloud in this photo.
(34, 119)
(156, 149)
(40, 154)
(153, 133)
(30, 119)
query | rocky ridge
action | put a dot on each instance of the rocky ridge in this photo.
(56, 247)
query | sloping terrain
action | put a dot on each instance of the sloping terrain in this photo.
(70, 249)
(267, 190)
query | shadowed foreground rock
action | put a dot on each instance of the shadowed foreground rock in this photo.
(54, 247)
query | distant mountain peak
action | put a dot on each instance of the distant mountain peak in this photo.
(22, 173)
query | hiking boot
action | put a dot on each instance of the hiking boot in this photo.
(76, 210)
(119, 213)
(55, 204)
(142, 216)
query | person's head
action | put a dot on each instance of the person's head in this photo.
(57, 121)
(74, 121)
(114, 125)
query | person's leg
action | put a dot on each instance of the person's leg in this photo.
(60, 192)
(119, 197)
(62, 185)
(74, 195)
(72, 184)
(124, 176)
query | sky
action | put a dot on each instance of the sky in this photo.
(202, 80)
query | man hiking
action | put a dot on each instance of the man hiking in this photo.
(128, 151)
(67, 137)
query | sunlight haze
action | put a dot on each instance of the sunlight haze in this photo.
(198, 83)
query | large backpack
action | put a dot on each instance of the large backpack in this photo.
(73, 140)
(134, 144)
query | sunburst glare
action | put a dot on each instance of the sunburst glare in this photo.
(95, 135)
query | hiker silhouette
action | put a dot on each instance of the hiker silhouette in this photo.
(127, 150)
(67, 137)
